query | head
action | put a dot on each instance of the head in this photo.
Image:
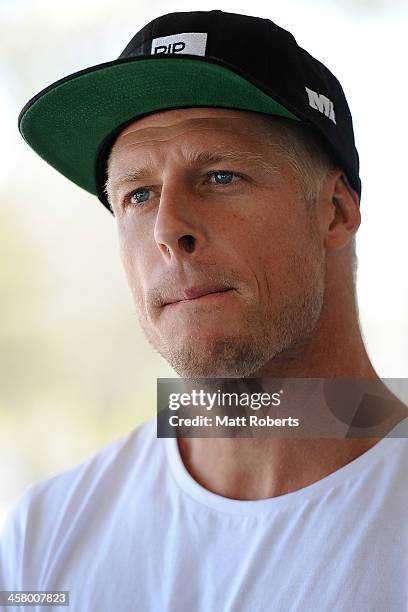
(243, 203)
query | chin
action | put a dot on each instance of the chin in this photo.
(215, 357)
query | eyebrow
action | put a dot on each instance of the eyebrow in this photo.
(192, 159)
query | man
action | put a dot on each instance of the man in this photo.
(230, 167)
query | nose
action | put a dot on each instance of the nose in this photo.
(179, 226)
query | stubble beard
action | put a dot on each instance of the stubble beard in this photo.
(265, 334)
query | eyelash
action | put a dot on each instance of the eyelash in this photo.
(127, 198)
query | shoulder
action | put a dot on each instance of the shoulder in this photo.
(54, 504)
(113, 462)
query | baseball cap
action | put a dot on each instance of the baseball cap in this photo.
(183, 60)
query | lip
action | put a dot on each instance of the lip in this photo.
(194, 293)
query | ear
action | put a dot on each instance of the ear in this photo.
(339, 212)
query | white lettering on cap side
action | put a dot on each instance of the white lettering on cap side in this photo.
(193, 43)
(321, 103)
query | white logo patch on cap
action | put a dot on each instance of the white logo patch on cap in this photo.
(321, 103)
(193, 43)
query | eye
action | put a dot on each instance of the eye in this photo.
(140, 194)
(225, 176)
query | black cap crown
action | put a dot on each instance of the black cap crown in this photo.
(270, 58)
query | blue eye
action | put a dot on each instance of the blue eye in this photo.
(224, 174)
(138, 191)
(142, 194)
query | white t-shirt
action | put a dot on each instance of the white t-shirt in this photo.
(129, 529)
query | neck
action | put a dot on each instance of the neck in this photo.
(258, 468)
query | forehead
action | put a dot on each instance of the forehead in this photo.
(173, 116)
(169, 124)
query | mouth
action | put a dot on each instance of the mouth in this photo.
(206, 297)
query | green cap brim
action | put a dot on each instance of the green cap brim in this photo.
(67, 122)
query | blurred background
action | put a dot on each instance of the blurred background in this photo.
(75, 370)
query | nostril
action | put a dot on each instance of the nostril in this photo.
(187, 242)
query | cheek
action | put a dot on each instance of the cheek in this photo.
(278, 249)
(264, 239)
(132, 245)
(133, 258)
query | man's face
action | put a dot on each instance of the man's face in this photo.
(236, 223)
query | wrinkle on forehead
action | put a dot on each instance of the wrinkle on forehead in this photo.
(179, 120)
(173, 117)
(137, 135)
(155, 138)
